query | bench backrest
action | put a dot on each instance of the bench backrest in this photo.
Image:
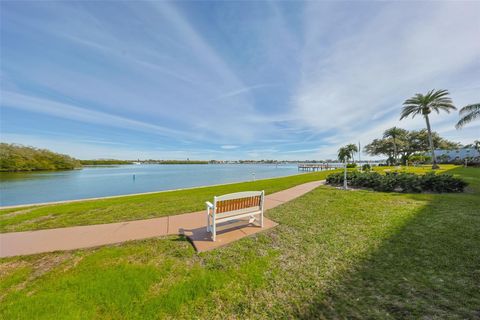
(239, 201)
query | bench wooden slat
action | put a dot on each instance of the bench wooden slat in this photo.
(237, 204)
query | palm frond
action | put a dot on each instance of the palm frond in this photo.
(433, 100)
(417, 99)
(343, 154)
(410, 109)
(393, 132)
(438, 94)
(468, 118)
(470, 108)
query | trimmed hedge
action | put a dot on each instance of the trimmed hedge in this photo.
(366, 167)
(401, 182)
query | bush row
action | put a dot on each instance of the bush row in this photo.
(402, 182)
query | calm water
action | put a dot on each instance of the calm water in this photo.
(25, 188)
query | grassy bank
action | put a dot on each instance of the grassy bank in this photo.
(135, 207)
(335, 254)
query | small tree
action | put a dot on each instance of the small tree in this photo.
(444, 158)
(352, 148)
(344, 154)
(395, 133)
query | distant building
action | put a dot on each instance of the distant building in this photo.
(457, 155)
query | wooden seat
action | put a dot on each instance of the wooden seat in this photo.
(234, 206)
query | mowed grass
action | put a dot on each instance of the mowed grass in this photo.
(136, 207)
(335, 254)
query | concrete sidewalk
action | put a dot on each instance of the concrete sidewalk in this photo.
(193, 225)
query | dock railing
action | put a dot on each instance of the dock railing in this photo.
(318, 166)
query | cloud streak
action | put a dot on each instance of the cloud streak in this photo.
(229, 147)
(68, 111)
(242, 91)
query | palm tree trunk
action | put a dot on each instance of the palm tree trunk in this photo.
(345, 176)
(430, 142)
(395, 151)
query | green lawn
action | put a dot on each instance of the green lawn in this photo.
(335, 254)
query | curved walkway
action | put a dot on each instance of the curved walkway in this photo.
(191, 225)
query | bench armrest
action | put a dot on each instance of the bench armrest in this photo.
(209, 204)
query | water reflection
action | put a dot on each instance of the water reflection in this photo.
(99, 181)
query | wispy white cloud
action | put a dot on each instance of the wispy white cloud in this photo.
(242, 91)
(68, 111)
(304, 151)
(229, 147)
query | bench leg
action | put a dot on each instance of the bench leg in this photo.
(261, 220)
(208, 221)
(214, 233)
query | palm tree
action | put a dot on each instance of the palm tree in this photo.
(344, 154)
(352, 148)
(434, 100)
(468, 114)
(475, 145)
(394, 133)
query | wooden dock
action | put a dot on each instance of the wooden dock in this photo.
(318, 166)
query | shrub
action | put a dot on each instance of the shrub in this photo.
(419, 158)
(386, 183)
(366, 167)
(335, 179)
(351, 165)
(402, 182)
(409, 182)
(442, 183)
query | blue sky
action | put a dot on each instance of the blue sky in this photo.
(229, 80)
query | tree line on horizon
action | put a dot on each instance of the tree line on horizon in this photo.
(103, 162)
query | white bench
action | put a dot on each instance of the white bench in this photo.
(234, 206)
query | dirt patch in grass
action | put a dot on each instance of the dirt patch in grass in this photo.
(47, 263)
(15, 213)
(8, 266)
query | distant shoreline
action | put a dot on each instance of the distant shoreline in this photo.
(105, 165)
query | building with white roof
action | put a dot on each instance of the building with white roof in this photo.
(457, 155)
